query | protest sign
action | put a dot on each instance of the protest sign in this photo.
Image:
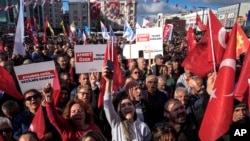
(149, 40)
(89, 58)
(35, 75)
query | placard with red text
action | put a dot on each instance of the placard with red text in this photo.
(89, 58)
(35, 75)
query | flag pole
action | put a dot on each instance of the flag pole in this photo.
(89, 24)
(109, 49)
(112, 50)
(149, 57)
(211, 40)
(130, 50)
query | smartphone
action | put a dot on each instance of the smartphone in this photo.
(110, 65)
(140, 54)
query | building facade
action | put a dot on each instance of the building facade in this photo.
(54, 12)
(8, 16)
(229, 14)
(110, 13)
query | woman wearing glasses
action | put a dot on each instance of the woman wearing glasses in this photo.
(135, 73)
(32, 100)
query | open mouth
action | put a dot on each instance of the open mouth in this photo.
(77, 117)
(181, 115)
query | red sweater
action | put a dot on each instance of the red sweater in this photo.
(67, 131)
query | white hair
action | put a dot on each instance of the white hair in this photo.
(180, 89)
(5, 120)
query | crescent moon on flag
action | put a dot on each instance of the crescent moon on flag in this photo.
(228, 63)
(221, 37)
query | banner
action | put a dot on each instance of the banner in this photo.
(95, 10)
(35, 75)
(113, 10)
(167, 33)
(89, 58)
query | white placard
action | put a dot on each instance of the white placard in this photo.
(149, 40)
(89, 58)
(35, 75)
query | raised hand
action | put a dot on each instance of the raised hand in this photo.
(47, 92)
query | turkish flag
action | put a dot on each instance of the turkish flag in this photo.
(95, 10)
(38, 123)
(217, 39)
(197, 58)
(191, 41)
(30, 31)
(56, 88)
(242, 41)
(241, 91)
(45, 30)
(8, 85)
(118, 80)
(218, 115)
(1, 46)
(200, 24)
(71, 75)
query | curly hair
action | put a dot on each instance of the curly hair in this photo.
(86, 107)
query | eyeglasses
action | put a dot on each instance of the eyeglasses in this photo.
(29, 98)
(136, 72)
(5, 130)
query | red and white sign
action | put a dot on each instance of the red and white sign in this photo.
(84, 57)
(150, 40)
(142, 37)
(35, 75)
(89, 58)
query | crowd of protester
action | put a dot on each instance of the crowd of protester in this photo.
(158, 102)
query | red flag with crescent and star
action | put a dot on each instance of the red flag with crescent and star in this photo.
(218, 115)
(95, 10)
(217, 39)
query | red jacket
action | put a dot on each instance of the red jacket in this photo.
(67, 131)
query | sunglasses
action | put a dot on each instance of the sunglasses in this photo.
(5, 130)
(29, 98)
(136, 72)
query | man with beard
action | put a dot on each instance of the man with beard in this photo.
(178, 119)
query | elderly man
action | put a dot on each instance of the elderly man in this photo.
(156, 100)
(159, 61)
(240, 122)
